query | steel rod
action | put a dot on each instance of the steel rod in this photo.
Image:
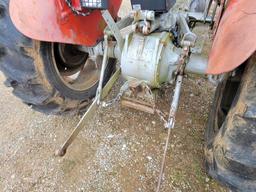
(170, 126)
(88, 115)
(102, 72)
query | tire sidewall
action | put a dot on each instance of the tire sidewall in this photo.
(55, 80)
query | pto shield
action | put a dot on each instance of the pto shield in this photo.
(53, 21)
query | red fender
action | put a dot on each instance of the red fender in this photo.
(53, 21)
(235, 40)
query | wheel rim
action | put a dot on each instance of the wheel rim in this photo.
(76, 69)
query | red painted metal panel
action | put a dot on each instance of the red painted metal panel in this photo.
(53, 21)
(77, 4)
(235, 40)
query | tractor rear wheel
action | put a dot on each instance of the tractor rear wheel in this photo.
(53, 78)
(231, 130)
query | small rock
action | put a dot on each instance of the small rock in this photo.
(124, 147)
(110, 136)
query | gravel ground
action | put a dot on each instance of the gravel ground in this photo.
(120, 150)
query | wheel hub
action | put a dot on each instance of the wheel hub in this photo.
(76, 69)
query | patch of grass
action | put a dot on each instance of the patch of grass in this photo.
(177, 176)
(199, 174)
(179, 179)
(195, 170)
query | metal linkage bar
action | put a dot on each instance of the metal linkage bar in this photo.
(92, 109)
(102, 73)
(113, 28)
(174, 107)
(88, 115)
(101, 93)
(170, 125)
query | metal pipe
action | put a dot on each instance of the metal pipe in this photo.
(102, 72)
(197, 64)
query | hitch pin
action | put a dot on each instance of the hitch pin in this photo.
(170, 125)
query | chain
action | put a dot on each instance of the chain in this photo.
(118, 97)
(124, 88)
(77, 12)
(161, 115)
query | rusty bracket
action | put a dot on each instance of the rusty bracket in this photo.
(139, 96)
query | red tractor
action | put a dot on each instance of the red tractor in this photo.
(63, 56)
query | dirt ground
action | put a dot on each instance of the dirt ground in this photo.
(120, 150)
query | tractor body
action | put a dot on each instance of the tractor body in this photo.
(65, 51)
(55, 22)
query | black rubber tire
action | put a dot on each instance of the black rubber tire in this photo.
(230, 137)
(29, 70)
